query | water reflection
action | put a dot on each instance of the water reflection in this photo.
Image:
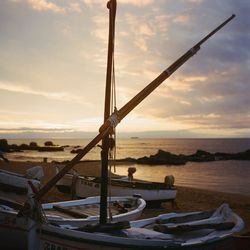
(223, 176)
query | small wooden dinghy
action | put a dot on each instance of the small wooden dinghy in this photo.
(86, 211)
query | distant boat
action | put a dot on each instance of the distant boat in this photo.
(134, 137)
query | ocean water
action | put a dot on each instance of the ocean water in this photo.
(226, 176)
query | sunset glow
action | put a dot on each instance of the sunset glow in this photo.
(53, 66)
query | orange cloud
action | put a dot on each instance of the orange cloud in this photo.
(44, 5)
(182, 19)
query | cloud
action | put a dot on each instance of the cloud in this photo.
(45, 5)
(18, 88)
(182, 19)
(210, 91)
(48, 5)
(100, 29)
(142, 30)
(216, 121)
(196, 1)
(75, 7)
(138, 3)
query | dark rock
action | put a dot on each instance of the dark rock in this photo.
(48, 144)
(162, 157)
(75, 151)
(223, 156)
(128, 159)
(24, 146)
(201, 156)
(50, 149)
(33, 144)
(4, 145)
(243, 155)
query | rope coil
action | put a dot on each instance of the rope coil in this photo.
(114, 120)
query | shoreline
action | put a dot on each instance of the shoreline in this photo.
(188, 198)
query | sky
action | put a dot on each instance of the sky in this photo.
(53, 67)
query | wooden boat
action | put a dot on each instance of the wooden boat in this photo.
(76, 213)
(18, 183)
(154, 193)
(194, 230)
(86, 211)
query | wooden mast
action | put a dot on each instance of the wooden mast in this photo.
(107, 127)
(111, 5)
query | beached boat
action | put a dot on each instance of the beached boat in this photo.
(194, 230)
(18, 183)
(154, 193)
(86, 211)
(202, 230)
(76, 213)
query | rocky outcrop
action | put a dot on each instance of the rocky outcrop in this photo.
(49, 144)
(200, 156)
(163, 157)
(4, 146)
(75, 151)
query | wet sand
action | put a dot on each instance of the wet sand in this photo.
(188, 199)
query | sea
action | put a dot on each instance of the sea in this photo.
(226, 176)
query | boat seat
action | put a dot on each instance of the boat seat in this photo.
(70, 212)
(188, 228)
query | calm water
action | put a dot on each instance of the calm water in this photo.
(226, 176)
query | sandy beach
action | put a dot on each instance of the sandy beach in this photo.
(188, 199)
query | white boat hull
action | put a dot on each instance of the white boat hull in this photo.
(17, 183)
(85, 187)
(31, 235)
(205, 239)
(133, 214)
(16, 232)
